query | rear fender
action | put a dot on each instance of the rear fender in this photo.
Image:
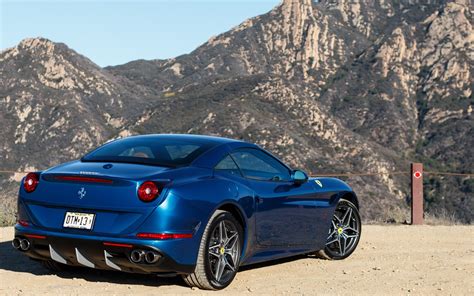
(189, 206)
(244, 209)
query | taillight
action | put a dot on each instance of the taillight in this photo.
(23, 223)
(35, 236)
(109, 244)
(148, 191)
(31, 182)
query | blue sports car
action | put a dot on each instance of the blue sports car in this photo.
(188, 205)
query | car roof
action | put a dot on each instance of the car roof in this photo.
(190, 137)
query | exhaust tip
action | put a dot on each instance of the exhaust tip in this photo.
(16, 243)
(152, 257)
(137, 256)
(24, 245)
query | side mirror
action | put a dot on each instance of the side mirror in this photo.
(299, 177)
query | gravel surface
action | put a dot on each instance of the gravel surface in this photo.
(395, 260)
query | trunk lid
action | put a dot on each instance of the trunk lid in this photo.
(107, 190)
(112, 170)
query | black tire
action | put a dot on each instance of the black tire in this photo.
(204, 276)
(54, 266)
(344, 232)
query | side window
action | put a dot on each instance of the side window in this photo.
(227, 165)
(256, 164)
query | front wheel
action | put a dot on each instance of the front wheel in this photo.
(219, 253)
(344, 233)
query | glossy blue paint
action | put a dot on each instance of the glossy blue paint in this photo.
(280, 218)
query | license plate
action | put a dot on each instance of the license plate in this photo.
(78, 220)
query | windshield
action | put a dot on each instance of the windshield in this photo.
(150, 150)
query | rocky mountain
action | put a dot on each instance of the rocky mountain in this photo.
(331, 87)
(56, 104)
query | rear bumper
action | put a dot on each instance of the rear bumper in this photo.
(99, 252)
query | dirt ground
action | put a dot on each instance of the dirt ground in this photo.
(390, 260)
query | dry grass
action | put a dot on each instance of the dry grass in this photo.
(441, 217)
(8, 211)
(390, 215)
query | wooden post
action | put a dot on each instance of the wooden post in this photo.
(416, 193)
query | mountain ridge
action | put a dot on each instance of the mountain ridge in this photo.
(335, 86)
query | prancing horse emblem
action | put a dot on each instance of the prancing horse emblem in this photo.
(82, 193)
(319, 183)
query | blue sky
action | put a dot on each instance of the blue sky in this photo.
(112, 32)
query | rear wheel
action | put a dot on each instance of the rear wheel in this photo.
(344, 233)
(219, 253)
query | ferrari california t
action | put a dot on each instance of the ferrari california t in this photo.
(188, 205)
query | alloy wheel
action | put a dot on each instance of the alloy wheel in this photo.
(224, 251)
(344, 232)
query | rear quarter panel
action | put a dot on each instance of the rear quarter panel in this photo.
(191, 201)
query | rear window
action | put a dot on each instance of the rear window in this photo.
(149, 150)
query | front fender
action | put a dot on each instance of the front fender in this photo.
(336, 187)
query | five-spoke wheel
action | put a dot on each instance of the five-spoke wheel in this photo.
(219, 253)
(224, 250)
(344, 233)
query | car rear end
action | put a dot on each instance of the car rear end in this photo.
(109, 215)
(96, 222)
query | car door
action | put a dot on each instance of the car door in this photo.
(285, 211)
